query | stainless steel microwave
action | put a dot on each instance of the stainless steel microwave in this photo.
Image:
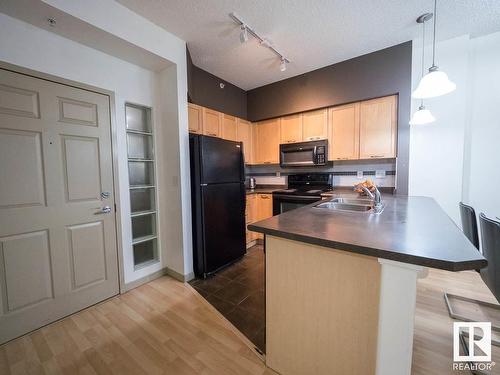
(304, 154)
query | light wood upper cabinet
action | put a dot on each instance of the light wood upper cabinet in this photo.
(195, 118)
(377, 133)
(343, 139)
(229, 127)
(244, 134)
(212, 122)
(315, 125)
(291, 129)
(266, 142)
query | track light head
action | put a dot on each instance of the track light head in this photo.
(283, 64)
(243, 34)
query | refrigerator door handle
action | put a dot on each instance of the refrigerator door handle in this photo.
(203, 184)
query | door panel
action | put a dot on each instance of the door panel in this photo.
(21, 151)
(344, 132)
(81, 167)
(77, 112)
(88, 260)
(315, 125)
(19, 102)
(378, 128)
(222, 161)
(26, 265)
(291, 129)
(224, 224)
(244, 131)
(57, 256)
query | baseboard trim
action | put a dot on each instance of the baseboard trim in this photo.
(251, 243)
(164, 271)
(178, 276)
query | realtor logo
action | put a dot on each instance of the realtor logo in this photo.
(478, 335)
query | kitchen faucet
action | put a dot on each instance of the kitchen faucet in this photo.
(375, 196)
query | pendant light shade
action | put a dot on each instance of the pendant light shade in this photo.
(422, 116)
(435, 83)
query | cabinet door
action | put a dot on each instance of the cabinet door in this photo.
(229, 127)
(343, 142)
(315, 125)
(264, 206)
(244, 134)
(267, 140)
(212, 122)
(250, 215)
(291, 128)
(377, 134)
(195, 118)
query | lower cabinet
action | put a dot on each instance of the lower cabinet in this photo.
(258, 207)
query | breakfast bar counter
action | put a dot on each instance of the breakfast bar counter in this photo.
(341, 286)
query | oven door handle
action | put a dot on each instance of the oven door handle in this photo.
(306, 197)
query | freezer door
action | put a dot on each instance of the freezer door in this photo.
(223, 224)
(222, 161)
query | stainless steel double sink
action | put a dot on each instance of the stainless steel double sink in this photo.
(352, 205)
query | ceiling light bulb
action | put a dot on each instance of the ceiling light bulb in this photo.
(243, 34)
(283, 65)
(422, 116)
(433, 84)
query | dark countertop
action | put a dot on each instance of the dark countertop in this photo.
(411, 230)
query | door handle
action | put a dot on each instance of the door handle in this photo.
(105, 194)
(103, 210)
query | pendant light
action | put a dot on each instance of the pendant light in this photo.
(435, 83)
(423, 115)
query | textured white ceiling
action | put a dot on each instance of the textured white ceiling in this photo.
(312, 34)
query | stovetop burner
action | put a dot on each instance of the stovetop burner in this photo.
(312, 184)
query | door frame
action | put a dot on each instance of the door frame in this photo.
(114, 142)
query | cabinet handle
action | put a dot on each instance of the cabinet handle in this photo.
(213, 134)
(264, 197)
(376, 156)
(342, 158)
(267, 162)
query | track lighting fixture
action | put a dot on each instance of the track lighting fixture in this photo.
(245, 30)
(243, 34)
(283, 65)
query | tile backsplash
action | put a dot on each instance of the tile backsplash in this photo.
(345, 173)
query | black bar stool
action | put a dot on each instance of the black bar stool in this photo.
(469, 225)
(490, 234)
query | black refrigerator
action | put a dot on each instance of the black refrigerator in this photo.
(218, 203)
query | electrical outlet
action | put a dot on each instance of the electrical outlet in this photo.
(379, 174)
(360, 174)
(278, 174)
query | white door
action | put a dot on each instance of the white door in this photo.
(57, 245)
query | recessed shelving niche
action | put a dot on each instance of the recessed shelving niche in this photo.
(142, 181)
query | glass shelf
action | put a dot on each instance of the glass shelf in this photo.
(141, 168)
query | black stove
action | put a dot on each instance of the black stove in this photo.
(307, 184)
(303, 189)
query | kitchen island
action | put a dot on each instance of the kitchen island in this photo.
(341, 286)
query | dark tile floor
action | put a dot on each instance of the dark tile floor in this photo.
(238, 293)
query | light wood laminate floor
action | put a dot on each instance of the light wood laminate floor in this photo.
(163, 327)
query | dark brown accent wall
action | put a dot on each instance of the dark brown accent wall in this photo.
(376, 74)
(204, 89)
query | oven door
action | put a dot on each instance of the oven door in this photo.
(284, 203)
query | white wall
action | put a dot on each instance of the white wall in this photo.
(457, 157)
(28, 46)
(436, 150)
(482, 143)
